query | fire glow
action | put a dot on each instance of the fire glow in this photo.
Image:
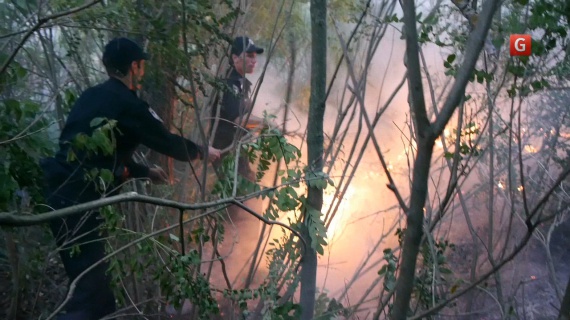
(342, 214)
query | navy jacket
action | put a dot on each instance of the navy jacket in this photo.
(234, 105)
(136, 124)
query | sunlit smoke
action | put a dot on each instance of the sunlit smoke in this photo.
(438, 143)
(529, 148)
(342, 214)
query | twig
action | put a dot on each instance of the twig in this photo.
(530, 230)
(472, 50)
(391, 185)
(441, 305)
(472, 16)
(224, 271)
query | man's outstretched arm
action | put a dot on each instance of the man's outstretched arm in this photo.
(153, 134)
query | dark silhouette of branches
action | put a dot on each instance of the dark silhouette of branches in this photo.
(39, 23)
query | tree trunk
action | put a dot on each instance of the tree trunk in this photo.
(565, 305)
(159, 93)
(315, 147)
(158, 90)
(414, 230)
(290, 78)
(14, 259)
(424, 133)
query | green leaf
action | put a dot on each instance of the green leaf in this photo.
(512, 92)
(464, 149)
(96, 122)
(292, 193)
(13, 106)
(451, 58)
(383, 270)
(320, 227)
(536, 85)
(107, 175)
(432, 19)
(480, 78)
(392, 18)
(445, 271)
(19, 71)
(389, 283)
(454, 288)
(516, 70)
(524, 91)
(512, 310)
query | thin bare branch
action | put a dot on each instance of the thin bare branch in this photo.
(530, 230)
(392, 184)
(472, 16)
(472, 50)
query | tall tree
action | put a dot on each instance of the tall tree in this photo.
(427, 133)
(315, 149)
(158, 89)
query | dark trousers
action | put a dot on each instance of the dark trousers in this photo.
(78, 237)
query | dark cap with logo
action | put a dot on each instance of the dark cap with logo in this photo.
(245, 44)
(119, 53)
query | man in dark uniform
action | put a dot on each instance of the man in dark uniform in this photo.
(113, 103)
(234, 119)
(234, 116)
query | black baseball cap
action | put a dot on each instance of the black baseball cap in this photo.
(119, 53)
(242, 44)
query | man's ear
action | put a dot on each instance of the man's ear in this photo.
(134, 64)
(234, 57)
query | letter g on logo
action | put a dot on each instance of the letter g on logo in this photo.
(520, 45)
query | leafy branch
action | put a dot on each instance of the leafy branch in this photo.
(73, 284)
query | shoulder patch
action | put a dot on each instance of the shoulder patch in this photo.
(154, 114)
(236, 89)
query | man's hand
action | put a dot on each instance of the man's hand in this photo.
(213, 154)
(157, 175)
